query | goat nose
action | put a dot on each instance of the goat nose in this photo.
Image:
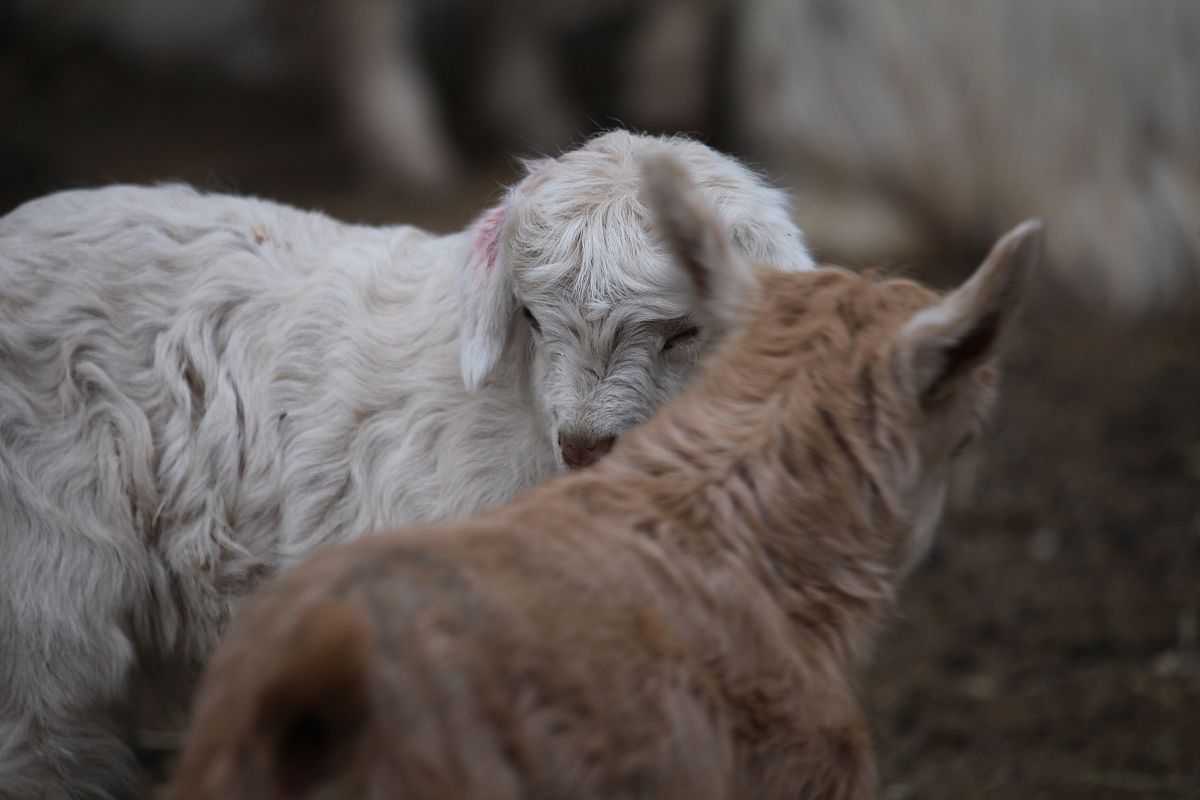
(580, 451)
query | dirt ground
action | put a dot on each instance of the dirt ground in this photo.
(1049, 648)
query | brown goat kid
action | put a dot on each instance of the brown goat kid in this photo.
(683, 620)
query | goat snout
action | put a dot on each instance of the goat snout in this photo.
(581, 451)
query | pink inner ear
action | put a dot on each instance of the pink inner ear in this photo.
(486, 245)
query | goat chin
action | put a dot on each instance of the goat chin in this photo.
(201, 389)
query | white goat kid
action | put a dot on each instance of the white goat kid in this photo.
(196, 390)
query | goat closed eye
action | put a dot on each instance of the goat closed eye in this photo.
(682, 337)
(531, 319)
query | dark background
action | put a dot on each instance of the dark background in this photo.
(1050, 647)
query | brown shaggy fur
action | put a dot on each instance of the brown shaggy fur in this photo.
(683, 620)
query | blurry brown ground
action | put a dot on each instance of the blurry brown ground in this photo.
(1048, 649)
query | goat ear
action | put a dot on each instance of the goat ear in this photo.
(718, 274)
(314, 706)
(964, 332)
(487, 298)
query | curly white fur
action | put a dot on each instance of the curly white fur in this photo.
(196, 390)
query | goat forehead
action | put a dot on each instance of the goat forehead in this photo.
(600, 246)
(600, 279)
(608, 309)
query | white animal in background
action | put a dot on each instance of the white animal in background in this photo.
(197, 390)
(951, 120)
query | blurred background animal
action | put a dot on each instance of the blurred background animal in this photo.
(687, 619)
(201, 389)
(419, 80)
(928, 122)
